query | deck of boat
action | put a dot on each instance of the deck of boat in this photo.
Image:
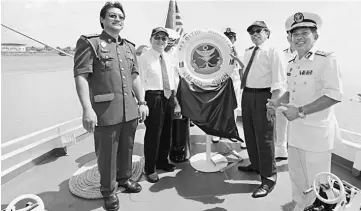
(183, 189)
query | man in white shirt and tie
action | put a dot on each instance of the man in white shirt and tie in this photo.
(264, 77)
(158, 78)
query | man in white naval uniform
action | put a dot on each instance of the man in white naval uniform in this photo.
(281, 152)
(236, 79)
(314, 86)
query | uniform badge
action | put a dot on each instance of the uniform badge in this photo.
(298, 17)
(103, 44)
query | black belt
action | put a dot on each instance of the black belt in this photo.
(156, 92)
(254, 90)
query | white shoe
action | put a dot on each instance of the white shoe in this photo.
(215, 139)
(281, 153)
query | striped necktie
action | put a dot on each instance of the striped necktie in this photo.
(244, 78)
(166, 85)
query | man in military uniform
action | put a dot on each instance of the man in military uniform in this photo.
(314, 86)
(107, 80)
(264, 77)
(281, 123)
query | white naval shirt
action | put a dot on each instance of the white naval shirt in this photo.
(151, 73)
(289, 55)
(268, 68)
(235, 74)
(309, 78)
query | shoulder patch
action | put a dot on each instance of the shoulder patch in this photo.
(92, 42)
(322, 53)
(129, 42)
(292, 60)
(249, 48)
(88, 36)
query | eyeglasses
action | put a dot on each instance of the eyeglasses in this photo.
(259, 30)
(115, 16)
(161, 38)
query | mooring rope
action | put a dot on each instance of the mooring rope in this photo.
(37, 41)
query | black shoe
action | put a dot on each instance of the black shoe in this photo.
(263, 190)
(152, 178)
(233, 140)
(111, 203)
(131, 186)
(166, 167)
(248, 168)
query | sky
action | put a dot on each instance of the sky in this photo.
(61, 22)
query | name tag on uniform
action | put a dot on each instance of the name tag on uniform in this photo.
(103, 98)
(104, 50)
(306, 72)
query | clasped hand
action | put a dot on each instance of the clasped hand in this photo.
(143, 112)
(289, 111)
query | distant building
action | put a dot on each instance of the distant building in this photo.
(13, 47)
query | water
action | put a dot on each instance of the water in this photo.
(39, 91)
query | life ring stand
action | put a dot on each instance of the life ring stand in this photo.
(203, 58)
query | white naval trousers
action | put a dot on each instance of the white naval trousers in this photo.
(303, 166)
(281, 134)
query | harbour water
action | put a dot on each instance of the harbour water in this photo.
(39, 92)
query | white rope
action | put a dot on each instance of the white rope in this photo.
(37, 41)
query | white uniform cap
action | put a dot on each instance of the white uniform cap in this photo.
(303, 19)
(173, 34)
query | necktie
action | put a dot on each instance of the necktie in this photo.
(166, 85)
(244, 78)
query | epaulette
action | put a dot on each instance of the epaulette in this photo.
(322, 53)
(129, 42)
(249, 48)
(292, 60)
(88, 36)
(87, 39)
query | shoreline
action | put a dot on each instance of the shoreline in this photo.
(32, 53)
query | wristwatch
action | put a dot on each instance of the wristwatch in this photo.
(301, 112)
(142, 103)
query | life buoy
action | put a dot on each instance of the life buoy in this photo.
(203, 58)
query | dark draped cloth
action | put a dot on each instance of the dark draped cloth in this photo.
(211, 110)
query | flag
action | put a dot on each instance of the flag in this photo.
(211, 110)
(174, 20)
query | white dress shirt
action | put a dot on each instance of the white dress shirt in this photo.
(268, 68)
(151, 73)
(309, 78)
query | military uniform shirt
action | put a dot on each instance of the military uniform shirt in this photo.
(110, 66)
(268, 68)
(289, 55)
(309, 78)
